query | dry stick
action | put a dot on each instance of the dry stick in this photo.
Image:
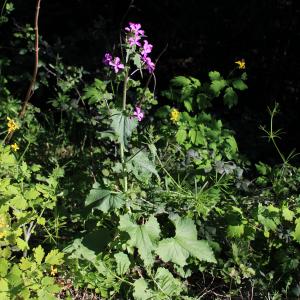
(35, 70)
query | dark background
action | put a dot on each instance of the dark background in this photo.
(200, 36)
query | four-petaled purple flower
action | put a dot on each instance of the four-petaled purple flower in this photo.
(135, 29)
(107, 59)
(116, 64)
(134, 40)
(138, 113)
(147, 48)
(150, 66)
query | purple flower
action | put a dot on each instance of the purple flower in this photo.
(147, 48)
(107, 59)
(138, 113)
(116, 64)
(135, 29)
(134, 40)
(150, 66)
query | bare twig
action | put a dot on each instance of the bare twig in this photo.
(30, 90)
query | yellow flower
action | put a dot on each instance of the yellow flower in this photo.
(53, 271)
(241, 64)
(175, 114)
(12, 125)
(15, 147)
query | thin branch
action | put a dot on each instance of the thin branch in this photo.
(30, 90)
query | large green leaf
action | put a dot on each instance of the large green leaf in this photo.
(168, 285)
(141, 291)
(217, 85)
(230, 97)
(122, 126)
(144, 237)
(184, 244)
(141, 165)
(123, 263)
(104, 200)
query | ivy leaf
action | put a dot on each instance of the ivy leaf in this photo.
(143, 237)
(184, 244)
(123, 263)
(39, 254)
(168, 284)
(123, 126)
(54, 257)
(239, 85)
(230, 97)
(104, 200)
(141, 291)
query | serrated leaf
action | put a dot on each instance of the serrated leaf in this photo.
(4, 265)
(54, 257)
(239, 85)
(184, 244)
(142, 165)
(123, 263)
(214, 75)
(123, 126)
(167, 283)
(22, 245)
(141, 291)
(39, 254)
(143, 237)
(287, 214)
(104, 200)
(235, 230)
(296, 233)
(181, 136)
(230, 97)
(180, 81)
(217, 86)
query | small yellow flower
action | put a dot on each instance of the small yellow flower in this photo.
(12, 125)
(175, 114)
(53, 271)
(15, 147)
(241, 64)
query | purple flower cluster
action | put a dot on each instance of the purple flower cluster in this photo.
(138, 113)
(114, 63)
(135, 34)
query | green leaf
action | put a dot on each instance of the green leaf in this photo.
(142, 165)
(296, 233)
(123, 263)
(39, 254)
(214, 75)
(235, 231)
(141, 291)
(230, 97)
(123, 126)
(217, 86)
(287, 214)
(54, 257)
(22, 245)
(137, 61)
(143, 237)
(4, 265)
(239, 85)
(188, 105)
(180, 81)
(167, 283)
(104, 200)
(181, 136)
(18, 202)
(184, 244)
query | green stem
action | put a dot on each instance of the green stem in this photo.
(122, 150)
